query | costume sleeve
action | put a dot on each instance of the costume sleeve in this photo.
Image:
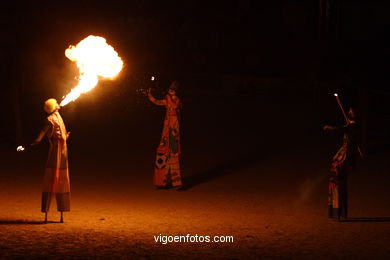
(161, 102)
(340, 128)
(331, 128)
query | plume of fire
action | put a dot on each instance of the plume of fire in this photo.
(94, 58)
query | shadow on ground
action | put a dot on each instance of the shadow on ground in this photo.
(23, 222)
(367, 220)
(222, 169)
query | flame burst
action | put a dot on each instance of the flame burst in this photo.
(94, 58)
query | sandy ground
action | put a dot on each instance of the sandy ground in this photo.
(269, 217)
(256, 182)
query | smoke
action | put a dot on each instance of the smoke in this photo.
(311, 186)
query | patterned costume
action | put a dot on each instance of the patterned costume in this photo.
(56, 179)
(167, 166)
(343, 163)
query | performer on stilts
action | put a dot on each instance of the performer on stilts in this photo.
(167, 167)
(343, 163)
(56, 178)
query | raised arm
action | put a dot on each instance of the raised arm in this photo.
(161, 102)
(330, 128)
(351, 124)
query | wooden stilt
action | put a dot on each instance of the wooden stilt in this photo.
(45, 222)
(62, 218)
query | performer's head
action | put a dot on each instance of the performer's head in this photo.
(173, 88)
(352, 114)
(51, 106)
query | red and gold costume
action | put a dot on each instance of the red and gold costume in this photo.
(167, 166)
(343, 163)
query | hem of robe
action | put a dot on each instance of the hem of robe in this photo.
(62, 199)
(160, 178)
(337, 213)
(333, 212)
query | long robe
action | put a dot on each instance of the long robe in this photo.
(343, 163)
(56, 178)
(167, 165)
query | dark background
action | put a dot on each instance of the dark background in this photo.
(257, 76)
(257, 83)
(273, 50)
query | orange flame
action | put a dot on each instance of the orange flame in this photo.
(94, 58)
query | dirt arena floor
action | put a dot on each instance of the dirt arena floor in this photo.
(271, 198)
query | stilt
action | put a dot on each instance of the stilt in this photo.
(45, 222)
(62, 218)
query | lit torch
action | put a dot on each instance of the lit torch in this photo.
(341, 107)
(20, 148)
(94, 58)
(346, 119)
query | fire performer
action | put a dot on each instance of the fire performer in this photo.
(56, 178)
(343, 163)
(167, 166)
